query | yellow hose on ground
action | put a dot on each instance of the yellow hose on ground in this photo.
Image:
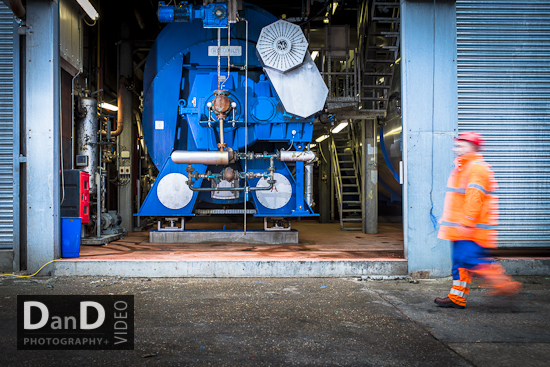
(28, 276)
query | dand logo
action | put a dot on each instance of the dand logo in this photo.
(75, 322)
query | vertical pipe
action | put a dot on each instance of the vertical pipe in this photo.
(308, 23)
(245, 120)
(100, 168)
(355, 86)
(333, 182)
(219, 56)
(228, 50)
(98, 56)
(300, 186)
(22, 143)
(309, 183)
(222, 139)
(329, 48)
(141, 153)
(103, 190)
(72, 120)
(98, 219)
(138, 219)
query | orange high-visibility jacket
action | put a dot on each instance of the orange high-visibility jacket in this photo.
(471, 202)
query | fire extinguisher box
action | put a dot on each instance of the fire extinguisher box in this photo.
(70, 236)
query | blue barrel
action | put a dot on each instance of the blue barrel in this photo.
(70, 236)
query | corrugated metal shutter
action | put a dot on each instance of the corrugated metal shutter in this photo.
(504, 94)
(6, 127)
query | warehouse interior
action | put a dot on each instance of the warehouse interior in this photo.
(355, 47)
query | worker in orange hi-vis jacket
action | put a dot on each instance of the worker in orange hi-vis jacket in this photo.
(469, 220)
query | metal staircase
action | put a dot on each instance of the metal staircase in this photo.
(359, 89)
(347, 181)
(380, 49)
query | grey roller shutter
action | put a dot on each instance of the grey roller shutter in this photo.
(6, 127)
(504, 93)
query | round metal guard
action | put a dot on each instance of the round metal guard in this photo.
(282, 45)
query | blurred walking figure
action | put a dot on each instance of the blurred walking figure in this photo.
(469, 220)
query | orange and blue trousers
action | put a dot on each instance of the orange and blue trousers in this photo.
(470, 259)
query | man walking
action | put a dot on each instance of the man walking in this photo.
(469, 220)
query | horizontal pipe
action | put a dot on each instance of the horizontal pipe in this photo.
(200, 157)
(251, 188)
(296, 156)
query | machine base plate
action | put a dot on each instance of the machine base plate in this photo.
(227, 236)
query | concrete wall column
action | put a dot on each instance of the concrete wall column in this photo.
(42, 134)
(429, 100)
(369, 183)
(325, 181)
(126, 140)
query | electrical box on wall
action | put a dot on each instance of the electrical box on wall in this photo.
(124, 167)
(81, 161)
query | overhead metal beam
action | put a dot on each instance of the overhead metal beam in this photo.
(350, 115)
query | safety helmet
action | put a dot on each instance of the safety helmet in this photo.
(471, 137)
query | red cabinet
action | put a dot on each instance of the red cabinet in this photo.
(76, 202)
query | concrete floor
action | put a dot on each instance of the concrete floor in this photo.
(323, 250)
(297, 321)
(316, 241)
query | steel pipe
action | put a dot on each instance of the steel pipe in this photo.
(17, 8)
(72, 120)
(309, 183)
(122, 83)
(200, 157)
(222, 142)
(245, 188)
(296, 156)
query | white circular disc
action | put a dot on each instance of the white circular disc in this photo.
(278, 196)
(173, 191)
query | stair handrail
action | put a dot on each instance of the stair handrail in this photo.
(356, 157)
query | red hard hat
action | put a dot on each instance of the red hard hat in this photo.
(471, 137)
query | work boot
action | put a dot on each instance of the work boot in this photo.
(446, 302)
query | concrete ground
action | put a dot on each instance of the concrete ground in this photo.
(299, 321)
(316, 241)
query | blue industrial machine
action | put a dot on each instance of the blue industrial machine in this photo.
(229, 99)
